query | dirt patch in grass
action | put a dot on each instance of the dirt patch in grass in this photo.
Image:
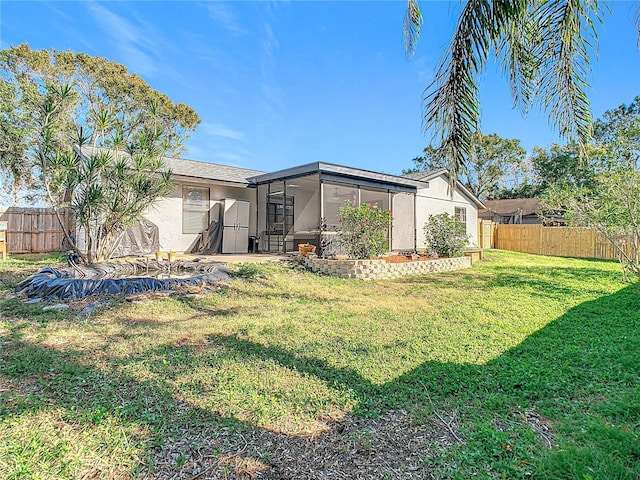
(540, 425)
(19, 386)
(392, 446)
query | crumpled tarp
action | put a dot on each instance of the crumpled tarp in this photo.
(140, 239)
(209, 242)
(64, 284)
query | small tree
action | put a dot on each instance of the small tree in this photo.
(91, 137)
(610, 201)
(445, 235)
(612, 208)
(363, 230)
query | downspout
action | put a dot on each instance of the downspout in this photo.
(415, 220)
(389, 200)
(268, 220)
(256, 245)
(284, 216)
(321, 210)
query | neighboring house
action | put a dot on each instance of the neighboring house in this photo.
(518, 211)
(281, 209)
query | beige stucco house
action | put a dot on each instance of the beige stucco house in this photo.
(224, 209)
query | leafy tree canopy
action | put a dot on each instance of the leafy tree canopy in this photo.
(103, 102)
(493, 163)
(616, 143)
(89, 134)
(570, 165)
(618, 132)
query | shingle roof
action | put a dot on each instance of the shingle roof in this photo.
(529, 206)
(425, 176)
(203, 170)
(210, 171)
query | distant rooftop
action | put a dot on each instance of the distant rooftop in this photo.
(527, 206)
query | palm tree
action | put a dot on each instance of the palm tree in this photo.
(543, 46)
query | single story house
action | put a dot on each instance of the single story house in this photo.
(223, 209)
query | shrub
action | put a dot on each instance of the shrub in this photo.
(445, 235)
(363, 230)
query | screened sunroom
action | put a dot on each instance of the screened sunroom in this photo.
(301, 205)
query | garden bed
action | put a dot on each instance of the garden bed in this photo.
(400, 258)
(380, 269)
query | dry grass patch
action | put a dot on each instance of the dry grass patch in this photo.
(392, 446)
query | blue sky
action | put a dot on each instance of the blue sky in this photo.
(277, 84)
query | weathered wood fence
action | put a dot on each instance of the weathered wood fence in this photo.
(35, 230)
(556, 241)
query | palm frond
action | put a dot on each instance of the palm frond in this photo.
(567, 34)
(451, 101)
(516, 51)
(411, 27)
(544, 48)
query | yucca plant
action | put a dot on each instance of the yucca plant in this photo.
(93, 137)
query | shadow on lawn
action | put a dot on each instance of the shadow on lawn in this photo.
(582, 371)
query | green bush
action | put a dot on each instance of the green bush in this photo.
(445, 235)
(363, 230)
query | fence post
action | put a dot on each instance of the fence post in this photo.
(540, 240)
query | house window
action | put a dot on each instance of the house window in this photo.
(461, 214)
(195, 209)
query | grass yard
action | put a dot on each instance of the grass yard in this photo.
(523, 366)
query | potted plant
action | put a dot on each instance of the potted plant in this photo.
(306, 248)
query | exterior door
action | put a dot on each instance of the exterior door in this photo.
(403, 223)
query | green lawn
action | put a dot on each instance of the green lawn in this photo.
(536, 358)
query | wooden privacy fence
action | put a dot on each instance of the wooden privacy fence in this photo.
(555, 241)
(35, 230)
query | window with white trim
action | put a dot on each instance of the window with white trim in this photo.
(195, 209)
(461, 214)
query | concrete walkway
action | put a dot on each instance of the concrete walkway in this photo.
(235, 258)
